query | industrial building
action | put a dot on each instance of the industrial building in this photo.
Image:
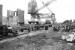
(20, 15)
(12, 19)
(15, 17)
(4, 20)
(1, 14)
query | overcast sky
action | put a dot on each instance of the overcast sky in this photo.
(64, 9)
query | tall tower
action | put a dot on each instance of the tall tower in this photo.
(1, 14)
(32, 6)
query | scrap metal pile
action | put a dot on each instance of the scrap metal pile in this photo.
(67, 28)
(69, 37)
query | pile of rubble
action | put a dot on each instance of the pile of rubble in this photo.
(69, 36)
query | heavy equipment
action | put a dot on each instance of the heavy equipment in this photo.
(36, 16)
(6, 31)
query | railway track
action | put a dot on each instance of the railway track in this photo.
(22, 36)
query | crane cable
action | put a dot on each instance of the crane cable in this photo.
(47, 5)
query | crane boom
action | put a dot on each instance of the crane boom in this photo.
(45, 5)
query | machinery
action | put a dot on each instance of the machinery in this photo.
(36, 16)
(6, 31)
(34, 12)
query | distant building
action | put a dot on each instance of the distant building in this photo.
(20, 15)
(1, 14)
(15, 17)
(12, 19)
(4, 20)
(10, 13)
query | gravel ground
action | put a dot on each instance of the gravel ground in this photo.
(46, 41)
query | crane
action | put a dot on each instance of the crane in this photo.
(52, 16)
(35, 12)
(45, 5)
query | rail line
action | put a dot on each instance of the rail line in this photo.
(22, 36)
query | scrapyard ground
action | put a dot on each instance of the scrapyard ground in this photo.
(48, 40)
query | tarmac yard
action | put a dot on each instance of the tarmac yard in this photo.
(45, 40)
